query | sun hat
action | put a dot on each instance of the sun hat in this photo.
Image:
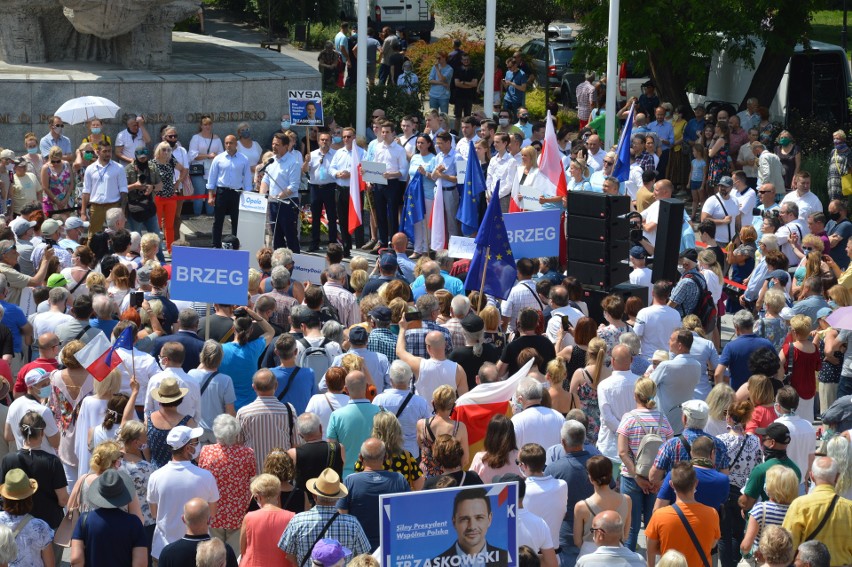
(109, 490)
(169, 391)
(327, 485)
(18, 485)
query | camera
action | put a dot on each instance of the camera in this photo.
(634, 220)
(240, 312)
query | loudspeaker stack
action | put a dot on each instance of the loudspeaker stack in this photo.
(598, 243)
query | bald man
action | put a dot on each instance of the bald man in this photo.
(267, 423)
(229, 174)
(196, 517)
(432, 372)
(615, 398)
(352, 424)
(607, 533)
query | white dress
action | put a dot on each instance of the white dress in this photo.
(92, 413)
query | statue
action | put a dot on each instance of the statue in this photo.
(136, 34)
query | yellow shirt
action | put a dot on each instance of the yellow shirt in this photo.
(805, 514)
(845, 278)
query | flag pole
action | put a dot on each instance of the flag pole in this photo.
(484, 268)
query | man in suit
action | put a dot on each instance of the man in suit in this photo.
(471, 519)
(187, 336)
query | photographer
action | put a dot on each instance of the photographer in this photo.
(51, 233)
(143, 182)
(651, 215)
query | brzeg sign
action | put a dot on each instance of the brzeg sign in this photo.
(210, 275)
(533, 234)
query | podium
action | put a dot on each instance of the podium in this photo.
(252, 226)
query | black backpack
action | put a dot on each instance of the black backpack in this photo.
(705, 308)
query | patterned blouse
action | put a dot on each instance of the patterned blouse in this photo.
(35, 536)
(750, 457)
(404, 463)
(233, 468)
(140, 472)
(167, 175)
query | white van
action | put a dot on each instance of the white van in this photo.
(816, 83)
(414, 16)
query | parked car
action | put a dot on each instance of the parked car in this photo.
(558, 59)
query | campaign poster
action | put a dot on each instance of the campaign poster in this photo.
(305, 108)
(453, 527)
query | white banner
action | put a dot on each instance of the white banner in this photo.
(373, 172)
(253, 202)
(461, 170)
(529, 197)
(461, 247)
(308, 268)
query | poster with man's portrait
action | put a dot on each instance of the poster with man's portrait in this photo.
(306, 108)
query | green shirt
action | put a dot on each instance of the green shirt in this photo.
(757, 478)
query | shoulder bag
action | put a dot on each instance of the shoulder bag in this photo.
(319, 537)
(845, 178)
(824, 518)
(198, 168)
(692, 535)
(63, 533)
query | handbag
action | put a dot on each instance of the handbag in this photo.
(199, 168)
(845, 179)
(63, 533)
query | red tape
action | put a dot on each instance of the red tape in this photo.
(731, 283)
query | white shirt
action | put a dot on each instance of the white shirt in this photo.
(145, 365)
(104, 183)
(538, 424)
(642, 276)
(284, 176)
(802, 441)
(252, 154)
(523, 294)
(654, 325)
(128, 143)
(463, 147)
(342, 161)
(318, 167)
(615, 398)
(323, 404)
(19, 409)
(547, 498)
(48, 321)
(634, 181)
(435, 373)
(807, 203)
(718, 208)
(533, 531)
(555, 322)
(394, 157)
(783, 236)
(595, 161)
(747, 200)
(651, 214)
(190, 404)
(500, 169)
(170, 487)
(408, 143)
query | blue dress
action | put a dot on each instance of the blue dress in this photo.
(161, 453)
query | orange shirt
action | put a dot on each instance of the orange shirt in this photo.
(665, 527)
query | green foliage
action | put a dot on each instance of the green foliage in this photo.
(816, 164)
(811, 135)
(341, 103)
(512, 17)
(535, 106)
(284, 12)
(320, 33)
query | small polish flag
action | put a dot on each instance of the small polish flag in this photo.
(356, 185)
(438, 236)
(93, 357)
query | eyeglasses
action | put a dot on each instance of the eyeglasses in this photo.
(5, 251)
(808, 250)
(766, 191)
(599, 530)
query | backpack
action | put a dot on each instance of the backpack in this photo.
(649, 446)
(328, 312)
(705, 309)
(315, 357)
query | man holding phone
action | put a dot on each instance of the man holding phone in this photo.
(562, 316)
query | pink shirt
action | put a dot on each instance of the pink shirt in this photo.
(263, 530)
(487, 473)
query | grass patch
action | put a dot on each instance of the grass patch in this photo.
(826, 26)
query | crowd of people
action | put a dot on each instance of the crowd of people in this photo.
(265, 433)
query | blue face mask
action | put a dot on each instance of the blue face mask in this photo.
(285, 124)
(44, 393)
(832, 304)
(32, 151)
(337, 139)
(96, 130)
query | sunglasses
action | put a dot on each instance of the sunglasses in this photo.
(59, 125)
(56, 162)
(171, 136)
(142, 152)
(762, 192)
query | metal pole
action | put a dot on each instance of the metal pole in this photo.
(546, 66)
(843, 29)
(611, 73)
(361, 71)
(490, 52)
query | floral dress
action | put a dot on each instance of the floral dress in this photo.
(750, 457)
(160, 451)
(610, 335)
(404, 463)
(233, 468)
(59, 185)
(718, 165)
(428, 465)
(588, 395)
(773, 330)
(167, 175)
(35, 536)
(141, 472)
(828, 373)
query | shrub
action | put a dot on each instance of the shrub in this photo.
(535, 106)
(816, 163)
(341, 103)
(319, 34)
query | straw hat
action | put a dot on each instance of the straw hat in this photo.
(327, 485)
(18, 485)
(169, 391)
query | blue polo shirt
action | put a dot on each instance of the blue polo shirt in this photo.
(14, 318)
(712, 490)
(736, 353)
(303, 386)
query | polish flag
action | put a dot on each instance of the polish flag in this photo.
(550, 163)
(356, 185)
(93, 357)
(439, 238)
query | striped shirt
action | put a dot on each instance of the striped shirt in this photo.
(304, 529)
(767, 513)
(674, 451)
(454, 326)
(638, 423)
(266, 424)
(345, 303)
(522, 295)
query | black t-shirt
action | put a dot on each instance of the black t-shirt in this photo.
(465, 75)
(219, 327)
(6, 341)
(465, 358)
(181, 553)
(47, 470)
(538, 342)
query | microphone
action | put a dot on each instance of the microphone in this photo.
(267, 164)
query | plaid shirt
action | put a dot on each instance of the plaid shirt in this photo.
(415, 339)
(645, 161)
(674, 451)
(304, 529)
(382, 341)
(454, 326)
(585, 99)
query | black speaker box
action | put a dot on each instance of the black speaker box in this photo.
(597, 252)
(593, 297)
(599, 275)
(590, 228)
(667, 246)
(597, 205)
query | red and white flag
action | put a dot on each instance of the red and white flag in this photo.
(93, 357)
(550, 163)
(438, 237)
(356, 184)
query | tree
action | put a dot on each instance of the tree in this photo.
(512, 16)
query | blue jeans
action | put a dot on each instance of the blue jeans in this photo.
(148, 225)
(440, 104)
(641, 505)
(570, 552)
(199, 187)
(844, 388)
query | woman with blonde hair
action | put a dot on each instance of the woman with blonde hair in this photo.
(840, 295)
(719, 399)
(428, 430)
(771, 326)
(149, 246)
(386, 428)
(762, 396)
(782, 487)
(493, 333)
(557, 372)
(584, 386)
(805, 362)
(578, 176)
(672, 558)
(92, 413)
(106, 456)
(57, 179)
(262, 528)
(526, 175)
(634, 425)
(357, 281)
(167, 205)
(134, 442)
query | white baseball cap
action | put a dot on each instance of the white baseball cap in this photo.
(181, 435)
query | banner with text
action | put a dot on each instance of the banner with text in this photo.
(210, 275)
(374, 172)
(533, 234)
(451, 527)
(305, 108)
(308, 268)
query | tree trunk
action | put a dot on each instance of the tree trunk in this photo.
(768, 75)
(671, 85)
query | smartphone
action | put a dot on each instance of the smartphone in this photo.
(136, 298)
(413, 316)
(566, 323)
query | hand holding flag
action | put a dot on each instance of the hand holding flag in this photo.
(93, 357)
(492, 268)
(474, 185)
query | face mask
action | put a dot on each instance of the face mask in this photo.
(337, 139)
(44, 392)
(834, 216)
(96, 130)
(681, 270)
(89, 155)
(32, 151)
(143, 446)
(523, 118)
(784, 141)
(173, 143)
(832, 304)
(840, 145)
(245, 133)
(196, 450)
(504, 122)
(285, 124)
(773, 453)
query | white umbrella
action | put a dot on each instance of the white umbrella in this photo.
(84, 108)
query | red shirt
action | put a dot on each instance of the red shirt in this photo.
(49, 365)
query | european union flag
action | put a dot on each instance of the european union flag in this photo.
(621, 170)
(124, 340)
(493, 254)
(413, 206)
(474, 185)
